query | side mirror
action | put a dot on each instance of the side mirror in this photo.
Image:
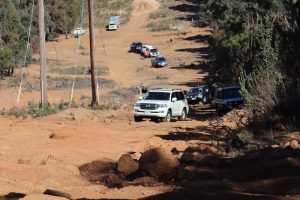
(174, 99)
(140, 97)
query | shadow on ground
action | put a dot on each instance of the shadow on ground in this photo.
(267, 174)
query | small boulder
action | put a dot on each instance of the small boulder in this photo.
(146, 181)
(287, 145)
(280, 127)
(159, 163)
(126, 165)
(191, 157)
(295, 144)
(112, 180)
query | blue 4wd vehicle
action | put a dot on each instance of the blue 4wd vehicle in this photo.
(159, 61)
(197, 94)
(227, 98)
(136, 47)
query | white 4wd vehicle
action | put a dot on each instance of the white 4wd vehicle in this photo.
(112, 26)
(161, 104)
(79, 31)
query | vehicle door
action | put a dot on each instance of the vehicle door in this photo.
(181, 102)
(174, 104)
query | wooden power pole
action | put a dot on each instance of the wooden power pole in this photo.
(92, 45)
(43, 67)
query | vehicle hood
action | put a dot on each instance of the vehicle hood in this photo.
(193, 94)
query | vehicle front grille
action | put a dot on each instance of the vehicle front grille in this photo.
(147, 106)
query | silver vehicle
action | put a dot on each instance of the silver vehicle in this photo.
(163, 104)
(79, 32)
(114, 23)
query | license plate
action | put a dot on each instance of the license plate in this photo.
(147, 112)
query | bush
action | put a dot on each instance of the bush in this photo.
(159, 26)
(35, 110)
(261, 89)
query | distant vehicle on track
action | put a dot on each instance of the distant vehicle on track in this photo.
(159, 61)
(79, 32)
(227, 98)
(114, 23)
(198, 94)
(136, 47)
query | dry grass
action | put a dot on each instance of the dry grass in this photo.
(104, 9)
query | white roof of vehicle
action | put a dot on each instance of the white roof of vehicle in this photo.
(164, 90)
(147, 46)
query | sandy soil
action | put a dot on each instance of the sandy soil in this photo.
(46, 153)
(32, 161)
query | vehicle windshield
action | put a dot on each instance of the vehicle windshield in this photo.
(161, 59)
(229, 93)
(153, 50)
(162, 96)
(195, 90)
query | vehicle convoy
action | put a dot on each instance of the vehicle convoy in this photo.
(79, 32)
(136, 47)
(161, 104)
(153, 52)
(198, 94)
(227, 98)
(159, 61)
(114, 23)
(145, 50)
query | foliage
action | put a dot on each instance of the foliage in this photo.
(34, 110)
(6, 55)
(255, 44)
(61, 15)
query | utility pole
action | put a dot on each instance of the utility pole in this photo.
(43, 67)
(92, 44)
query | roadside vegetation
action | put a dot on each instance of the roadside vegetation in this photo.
(61, 17)
(167, 19)
(104, 9)
(255, 44)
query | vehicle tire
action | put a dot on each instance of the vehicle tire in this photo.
(138, 119)
(168, 118)
(219, 110)
(183, 115)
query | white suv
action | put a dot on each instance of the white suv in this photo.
(79, 32)
(161, 104)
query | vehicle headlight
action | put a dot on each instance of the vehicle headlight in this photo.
(200, 95)
(137, 105)
(162, 105)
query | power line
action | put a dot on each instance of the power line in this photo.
(26, 50)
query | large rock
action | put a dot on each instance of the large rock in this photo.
(159, 163)
(126, 165)
(295, 144)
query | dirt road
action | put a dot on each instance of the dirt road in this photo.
(43, 153)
